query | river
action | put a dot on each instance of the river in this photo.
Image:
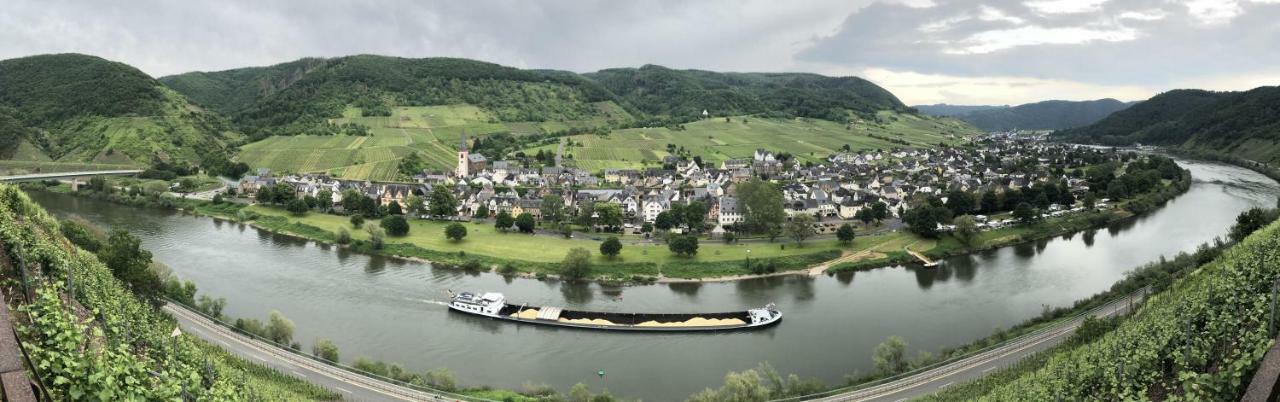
(382, 308)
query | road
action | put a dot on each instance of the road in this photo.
(352, 387)
(979, 365)
(63, 175)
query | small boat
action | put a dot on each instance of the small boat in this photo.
(494, 305)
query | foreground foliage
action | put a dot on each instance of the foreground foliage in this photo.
(106, 344)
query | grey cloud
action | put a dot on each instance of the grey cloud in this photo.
(166, 37)
(1175, 48)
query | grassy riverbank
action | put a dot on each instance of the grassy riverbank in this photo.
(486, 248)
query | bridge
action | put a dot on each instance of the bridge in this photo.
(67, 175)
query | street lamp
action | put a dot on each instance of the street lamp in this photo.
(748, 258)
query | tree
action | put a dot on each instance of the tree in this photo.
(646, 228)
(324, 200)
(441, 202)
(1090, 200)
(576, 264)
(279, 328)
(663, 221)
(525, 222)
(889, 356)
(325, 349)
(343, 236)
(800, 228)
(297, 207)
(482, 212)
(1250, 221)
(866, 215)
(761, 206)
(586, 209)
(455, 231)
(609, 215)
(686, 245)
(695, 214)
(773, 230)
(395, 225)
(990, 202)
(611, 247)
(504, 221)
(1117, 190)
(552, 208)
(375, 236)
(123, 254)
(1065, 198)
(924, 220)
(393, 208)
(351, 201)
(966, 228)
(1025, 213)
(959, 202)
(880, 211)
(357, 221)
(845, 234)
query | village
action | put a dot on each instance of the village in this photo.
(877, 185)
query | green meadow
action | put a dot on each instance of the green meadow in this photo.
(716, 140)
(432, 132)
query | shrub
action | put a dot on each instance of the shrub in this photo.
(455, 231)
(395, 225)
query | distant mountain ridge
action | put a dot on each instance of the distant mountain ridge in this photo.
(298, 96)
(1046, 115)
(1244, 124)
(948, 110)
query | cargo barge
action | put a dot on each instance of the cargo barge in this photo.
(494, 305)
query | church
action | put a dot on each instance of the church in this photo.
(468, 163)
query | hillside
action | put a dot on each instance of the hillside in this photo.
(97, 341)
(232, 90)
(383, 109)
(300, 97)
(78, 108)
(1047, 115)
(1244, 124)
(1200, 339)
(683, 94)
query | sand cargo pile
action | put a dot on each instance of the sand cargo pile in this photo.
(495, 306)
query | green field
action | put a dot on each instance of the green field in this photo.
(716, 140)
(433, 131)
(484, 240)
(430, 131)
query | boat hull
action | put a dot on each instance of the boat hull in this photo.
(777, 317)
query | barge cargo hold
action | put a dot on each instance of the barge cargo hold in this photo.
(494, 305)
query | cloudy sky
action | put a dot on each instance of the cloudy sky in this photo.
(925, 51)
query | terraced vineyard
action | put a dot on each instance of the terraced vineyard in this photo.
(430, 131)
(716, 140)
(433, 131)
(96, 341)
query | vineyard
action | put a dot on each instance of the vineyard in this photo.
(716, 139)
(1200, 340)
(88, 338)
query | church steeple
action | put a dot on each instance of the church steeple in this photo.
(464, 162)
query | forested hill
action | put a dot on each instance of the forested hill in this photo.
(660, 91)
(1244, 124)
(1047, 115)
(232, 90)
(78, 108)
(300, 96)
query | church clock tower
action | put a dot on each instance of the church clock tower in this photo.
(463, 160)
